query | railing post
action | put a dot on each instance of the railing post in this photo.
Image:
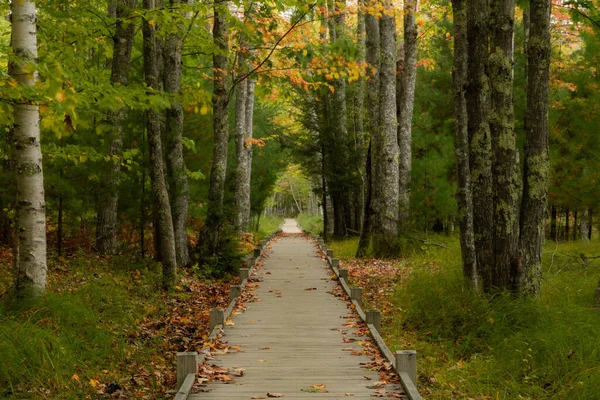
(356, 294)
(257, 252)
(374, 318)
(244, 274)
(335, 263)
(343, 274)
(235, 292)
(187, 363)
(406, 361)
(330, 253)
(217, 317)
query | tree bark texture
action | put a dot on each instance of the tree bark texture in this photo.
(339, 118)
(157, 174)
(31, 267)
(363, 243)
(106, 226)
(536, 164)
(372, 58)
(243, 126)
(583, 225)
(553, 217)
(214, 215)
(406, 103)
(176, 170)
(385, 144)
(461, 143)
(359, 118)
(504, 147)
(480, 144)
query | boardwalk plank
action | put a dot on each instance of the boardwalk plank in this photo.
(303, 330)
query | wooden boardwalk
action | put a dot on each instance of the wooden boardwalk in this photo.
(297, 336)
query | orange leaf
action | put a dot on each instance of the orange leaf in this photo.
(75, 377)
(94, 382)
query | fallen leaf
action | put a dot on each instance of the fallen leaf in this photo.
(94, 382)
(348, 394)
(318, 386)
(274, 394)
(263, 360)
(75, 377)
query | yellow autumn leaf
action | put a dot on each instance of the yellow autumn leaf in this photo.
(60, 96)
(94, 382)
(75, 377)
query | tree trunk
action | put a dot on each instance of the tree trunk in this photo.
(590, 223)
(157, 175)
(338, 189)
(245, 192)
(372, 57)
(575, 222)
(31, 268)
(177, 174)
(553, 223)
(480, 146)
(567, 222)
(360, 119)
(214, 215)
(363, 243)
(241, 96)
(536, 165)
(504, 147)
(584, 225)
(461, 143)
(385, 143)
(106, 226)
(406, 103)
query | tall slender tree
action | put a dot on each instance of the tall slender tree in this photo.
(157, 173)
(215, 214)
(372, 58)
(461, 142)
(176, 169)
(480, 143)
(406, 80)
(106, 226)
(536, 164)
(504, 147)
(30, 259)
(385, 157)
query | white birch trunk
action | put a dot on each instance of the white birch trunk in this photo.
(31, 205)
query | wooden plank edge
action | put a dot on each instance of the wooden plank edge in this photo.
(409, 387)
(186, 387)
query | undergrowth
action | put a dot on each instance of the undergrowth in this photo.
(498, 347)
(312, 224)
(104, 329)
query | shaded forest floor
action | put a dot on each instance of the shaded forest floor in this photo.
(105, 329)
(487, 347)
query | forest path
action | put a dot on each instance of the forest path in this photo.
(298, 334)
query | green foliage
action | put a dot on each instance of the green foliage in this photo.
(501, 346)
(226, 260)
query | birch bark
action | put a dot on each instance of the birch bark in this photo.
(31, 267)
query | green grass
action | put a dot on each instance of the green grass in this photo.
(53, 346)
(268, 225)
(479, 347)
(310, 224)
